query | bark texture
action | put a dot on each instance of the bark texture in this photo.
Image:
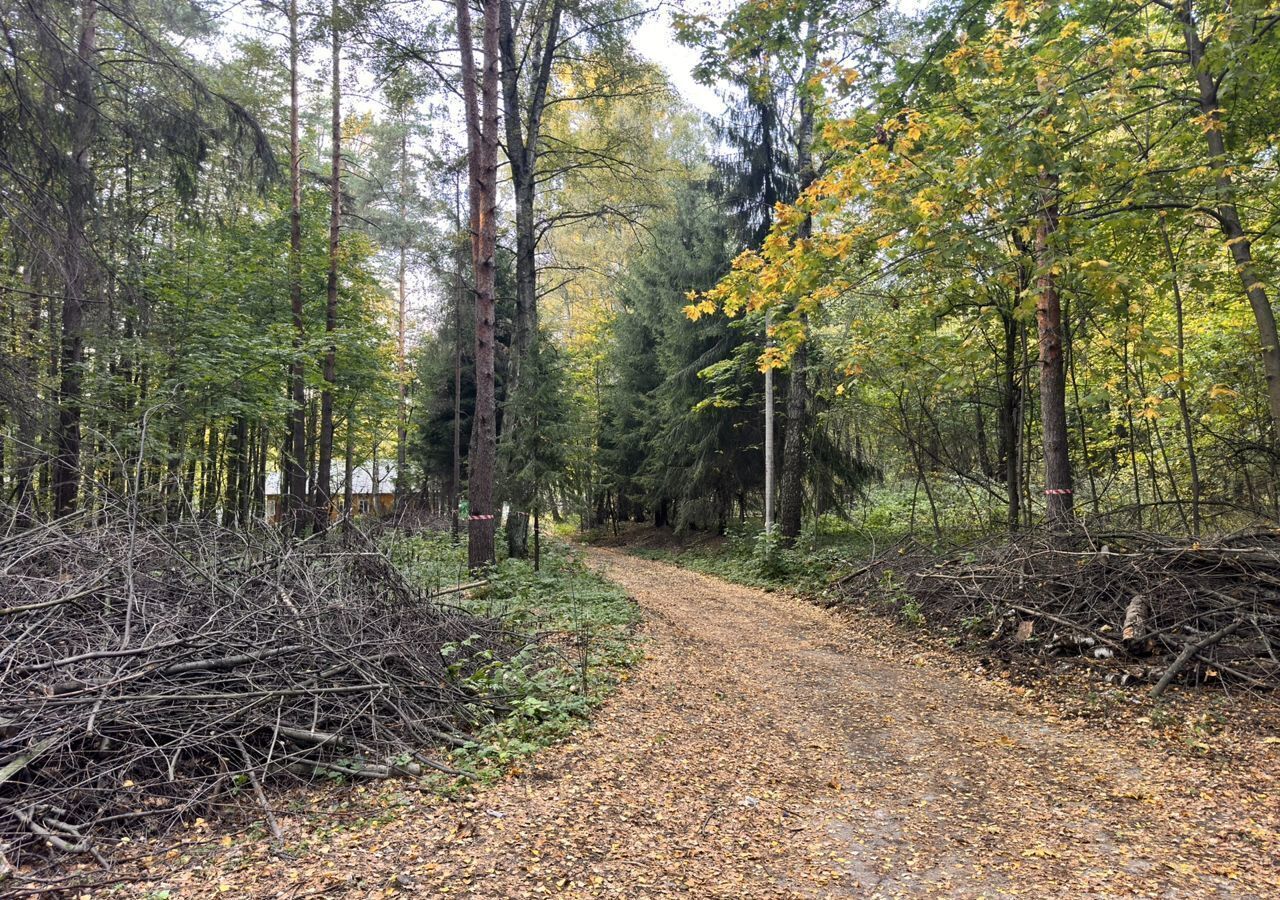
(523, 125)
(1059, 499)
(295, 473)
(482, 119)
(324, 476)
(795, 446)
(78, 262)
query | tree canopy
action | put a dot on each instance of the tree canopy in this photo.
(1017, 256)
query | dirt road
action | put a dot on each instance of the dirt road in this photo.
(762, 750)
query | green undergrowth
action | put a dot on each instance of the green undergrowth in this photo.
(819, 557)
(833, 545)
(824, 552)
(746, 555)
(575, 634)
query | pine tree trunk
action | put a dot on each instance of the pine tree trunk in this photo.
(348, 470)
(312, 444)
(526, 324)
(517, 534)
(795, 450)
(78, 262)
(523, 124)
(483, 167)
(236, 440)
(210, 480)
(456, 482)
(324, 478)
(402, 361)
(259, 503)
(294, 493)
(770, 442)
(248, 474)
(1059, 499)
(24, 493)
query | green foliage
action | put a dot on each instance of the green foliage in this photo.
(433, 560)
(534, 461)
(432, 391)
(748, 555)
(894, 596)
(578, 633)
(908, 270)
(920, 279)
(830, 546)
(683, 420)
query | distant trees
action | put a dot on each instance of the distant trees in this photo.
(993, 253)
(1244, 33)
(770, 54)
(535, 465)
(681, 439)
(158, 340)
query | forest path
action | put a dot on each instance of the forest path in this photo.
(763, 749)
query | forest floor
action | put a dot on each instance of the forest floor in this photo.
(766, 748)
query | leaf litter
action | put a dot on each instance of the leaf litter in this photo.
(766, 748)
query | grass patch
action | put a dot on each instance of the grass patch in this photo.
(747, 556)
(832, 546)
(576, 636)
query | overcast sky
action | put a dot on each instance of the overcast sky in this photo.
(655, 40)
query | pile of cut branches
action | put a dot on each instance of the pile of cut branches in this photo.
(1161, 609)
(152, 673)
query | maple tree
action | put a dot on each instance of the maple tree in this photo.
(1043, 172)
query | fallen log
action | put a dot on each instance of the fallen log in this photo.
(1136, 615)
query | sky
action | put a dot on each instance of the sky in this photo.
(656, 41)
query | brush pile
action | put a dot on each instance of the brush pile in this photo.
(151, 674)
(1158, 609)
